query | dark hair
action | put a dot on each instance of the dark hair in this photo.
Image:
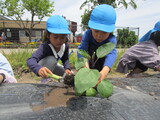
(46, 36)
(155, 36)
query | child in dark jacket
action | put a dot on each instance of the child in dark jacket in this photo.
(44, 60)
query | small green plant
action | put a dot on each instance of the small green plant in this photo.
(17, 58)
(54, 76)
(120, 52)
(86, 80)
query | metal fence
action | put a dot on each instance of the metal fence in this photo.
(80, 31)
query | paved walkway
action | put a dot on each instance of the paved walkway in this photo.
(8, 51)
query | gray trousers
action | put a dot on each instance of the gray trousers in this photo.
(51, 63)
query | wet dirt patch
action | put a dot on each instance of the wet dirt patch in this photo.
(58, 97)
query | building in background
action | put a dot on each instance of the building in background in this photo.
(78, 38)
(15, 33)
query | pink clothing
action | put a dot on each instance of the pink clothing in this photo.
(9, 78)
(144, 52)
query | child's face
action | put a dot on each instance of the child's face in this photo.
(57, 40)
(99, 36)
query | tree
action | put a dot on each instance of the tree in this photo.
(93, 3)
(126, 37)
(16, 9)
(85, 18)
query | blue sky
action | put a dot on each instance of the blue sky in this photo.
(144, 17)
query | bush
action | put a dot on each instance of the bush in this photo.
(126, 38)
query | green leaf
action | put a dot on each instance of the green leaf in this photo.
(84, 53)
(105, 88)
(80, 63)
(104, 49)
(78, 94)
(85, 79)
(91, 92)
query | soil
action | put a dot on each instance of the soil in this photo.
(30, 77)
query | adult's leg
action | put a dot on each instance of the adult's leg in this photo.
(139, 68)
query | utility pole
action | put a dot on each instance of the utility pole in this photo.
(88, 6)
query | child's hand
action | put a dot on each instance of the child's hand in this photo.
(158, 68)
(103, 73)
(43, 72)
(67, 71)
(102, 77)
(86, 65)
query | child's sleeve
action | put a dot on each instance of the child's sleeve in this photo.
(110, 58)
(32, 62)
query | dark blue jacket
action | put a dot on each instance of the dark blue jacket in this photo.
(43, 51)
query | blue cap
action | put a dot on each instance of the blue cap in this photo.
(103, 18)
(58, 25)
(148, 34)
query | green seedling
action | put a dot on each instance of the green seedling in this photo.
(56, 77)
(86, 78)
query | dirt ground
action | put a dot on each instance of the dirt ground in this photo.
(30, 77)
